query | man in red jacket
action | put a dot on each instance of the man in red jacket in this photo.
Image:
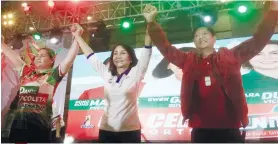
(212, 96)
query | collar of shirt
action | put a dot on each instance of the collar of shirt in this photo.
(121, 75)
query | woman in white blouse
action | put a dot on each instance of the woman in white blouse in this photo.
(120, 122)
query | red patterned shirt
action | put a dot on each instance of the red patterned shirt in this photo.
(35, 96)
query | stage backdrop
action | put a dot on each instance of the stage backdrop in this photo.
(159, 101)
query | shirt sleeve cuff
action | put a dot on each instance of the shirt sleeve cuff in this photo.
(58, 116)
(90, 55)
(148, 47)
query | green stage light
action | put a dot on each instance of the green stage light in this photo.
(126, 24)
(37, 36)
(242, 9)
(207, 18)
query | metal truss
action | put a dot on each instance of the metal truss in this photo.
(111, 12)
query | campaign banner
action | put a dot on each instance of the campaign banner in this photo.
(161, 117)
(159, 100)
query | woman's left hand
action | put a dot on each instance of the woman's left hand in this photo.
(274, 5)
(76, 30)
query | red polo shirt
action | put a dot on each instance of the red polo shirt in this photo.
(212, 110)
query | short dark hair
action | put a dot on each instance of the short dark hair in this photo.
(131, 53)
(248, 65)
(210, 29)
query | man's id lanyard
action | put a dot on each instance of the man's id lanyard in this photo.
(207, 81)
(208, 78)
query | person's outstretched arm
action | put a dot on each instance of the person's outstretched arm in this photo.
(69, 59)
(89, 53)
(250, 48)
(171, 53)
(15, 59)
(145, 56)
(34, 44)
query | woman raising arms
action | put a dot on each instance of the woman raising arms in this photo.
(120, 122)
(32, 122)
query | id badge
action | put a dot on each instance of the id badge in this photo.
(207, 81)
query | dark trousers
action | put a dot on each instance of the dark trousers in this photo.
(33, 134)
(120, 137)
(199, 135)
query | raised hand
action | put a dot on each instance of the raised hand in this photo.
(31, 38)
(33, 42)
(76, 30)
(149, 13)
(274, 5)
